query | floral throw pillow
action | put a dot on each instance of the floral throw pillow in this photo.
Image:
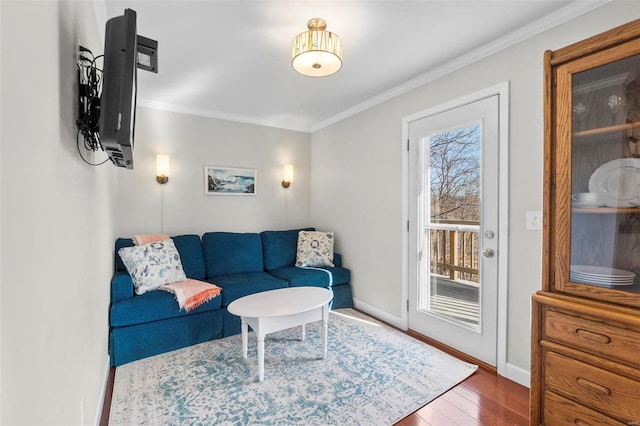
(315, 248)
(153, 265)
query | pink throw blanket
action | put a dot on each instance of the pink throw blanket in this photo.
(192, 293)
(149, 238)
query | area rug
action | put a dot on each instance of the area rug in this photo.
(373, 375)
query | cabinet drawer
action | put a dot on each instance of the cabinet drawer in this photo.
(609, 341)
(601, 390)
(561, 411)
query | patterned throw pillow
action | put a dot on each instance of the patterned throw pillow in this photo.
(315, 248)
(153, 265)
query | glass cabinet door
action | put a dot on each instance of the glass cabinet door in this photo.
(598, 176)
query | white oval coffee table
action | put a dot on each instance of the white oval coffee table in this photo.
(274, 310)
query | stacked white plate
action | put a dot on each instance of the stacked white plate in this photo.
(600, 275)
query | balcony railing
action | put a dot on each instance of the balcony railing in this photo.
(455, 250)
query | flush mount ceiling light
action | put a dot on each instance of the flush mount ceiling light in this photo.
(316, 52)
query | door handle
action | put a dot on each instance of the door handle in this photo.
(488, 253)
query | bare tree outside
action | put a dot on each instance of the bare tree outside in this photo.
(454, 164)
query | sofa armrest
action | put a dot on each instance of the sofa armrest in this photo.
(337, 260)
(121, 286)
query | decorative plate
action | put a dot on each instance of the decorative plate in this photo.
(616, 182)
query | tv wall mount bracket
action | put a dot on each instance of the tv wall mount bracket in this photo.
(90, 90)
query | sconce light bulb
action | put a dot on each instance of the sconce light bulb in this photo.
(287, 175)
(162, 168)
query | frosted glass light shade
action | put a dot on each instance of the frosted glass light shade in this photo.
(163, 168)
(287, 175)
(316, 52)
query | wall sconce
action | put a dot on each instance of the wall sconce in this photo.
(162, 168)
(287, 176)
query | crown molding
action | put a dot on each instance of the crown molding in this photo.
(163, 106)
(567, 13)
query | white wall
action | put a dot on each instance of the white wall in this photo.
(59, 216)
(357, 165)
(193, 142)
(56, 220)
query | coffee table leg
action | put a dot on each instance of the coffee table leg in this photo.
(325, 329)
(260, 357)
(245, 336)
(303, 332)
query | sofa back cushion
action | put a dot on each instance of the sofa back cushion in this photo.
(122, 242)
(227, 253)
(189, 247)
(279, 248)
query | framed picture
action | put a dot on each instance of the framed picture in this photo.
(229, 181)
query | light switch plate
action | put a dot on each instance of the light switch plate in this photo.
(534, 221)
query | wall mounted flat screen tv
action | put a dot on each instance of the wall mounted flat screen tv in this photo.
(119, 81)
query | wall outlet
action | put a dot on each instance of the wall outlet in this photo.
(534, 221)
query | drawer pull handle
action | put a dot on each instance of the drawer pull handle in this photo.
(593, 386)
(596, 337)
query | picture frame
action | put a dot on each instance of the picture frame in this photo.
(220, 180)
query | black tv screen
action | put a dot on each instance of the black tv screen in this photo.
(119, 80)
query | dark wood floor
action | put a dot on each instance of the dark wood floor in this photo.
(483, 399)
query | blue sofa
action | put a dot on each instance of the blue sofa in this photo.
(239, 263)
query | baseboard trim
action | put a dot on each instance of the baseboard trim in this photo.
(104, 408)
(518, 375)
(378, 313)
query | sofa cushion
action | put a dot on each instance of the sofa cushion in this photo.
(279, 247)
(227, 253)
(122, 242)
(121, 286)
(315, 248)
(235, 286)
(153, 265)
(189, 247)
(152, 306)
(320, 277)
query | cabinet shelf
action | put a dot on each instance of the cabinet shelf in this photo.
(606, 210)
(586, 135)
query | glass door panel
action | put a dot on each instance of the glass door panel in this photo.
(605, 176)
(452, 225)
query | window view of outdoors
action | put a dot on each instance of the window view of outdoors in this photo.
(453, 224)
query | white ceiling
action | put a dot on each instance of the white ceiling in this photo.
(232, 59)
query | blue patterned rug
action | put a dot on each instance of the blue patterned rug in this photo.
(373, 375)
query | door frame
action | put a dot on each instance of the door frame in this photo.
(502, 90)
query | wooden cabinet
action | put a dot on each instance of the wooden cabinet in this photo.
(585, 362)
(586, 319)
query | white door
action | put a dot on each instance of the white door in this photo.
(453, 233)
